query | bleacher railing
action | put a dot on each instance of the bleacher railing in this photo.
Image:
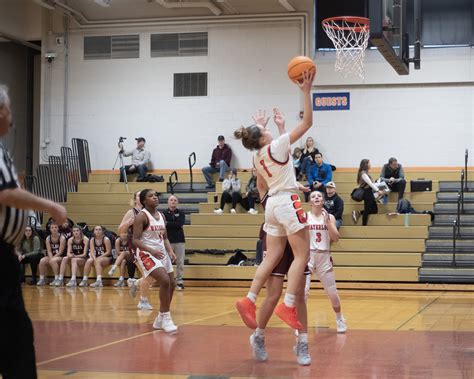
(172, 183)
(466, 158)
(191, 163)
(61, 174)
(80, 149)
(455, 231)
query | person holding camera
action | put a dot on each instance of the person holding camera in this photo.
(140, 159)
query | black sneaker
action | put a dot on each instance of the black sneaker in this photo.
(180, 286)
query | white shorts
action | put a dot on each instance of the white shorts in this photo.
(284, 214)
(148, 263)
(320, 262)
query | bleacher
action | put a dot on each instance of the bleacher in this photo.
(389, 249)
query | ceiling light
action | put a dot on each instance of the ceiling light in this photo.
(103, 3)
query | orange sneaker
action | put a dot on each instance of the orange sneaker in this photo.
(288, 315)
(247, 309)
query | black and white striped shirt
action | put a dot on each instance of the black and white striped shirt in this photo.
(12, 220)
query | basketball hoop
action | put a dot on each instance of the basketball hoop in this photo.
(350, 36)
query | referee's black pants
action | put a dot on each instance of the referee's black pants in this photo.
(17, 352)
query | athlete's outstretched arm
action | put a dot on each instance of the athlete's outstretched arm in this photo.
(279, 120)
(307, 121)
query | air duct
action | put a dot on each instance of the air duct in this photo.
(191, 4)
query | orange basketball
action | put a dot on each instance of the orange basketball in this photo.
(298, 65)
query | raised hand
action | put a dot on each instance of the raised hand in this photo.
(279, 118)
(307, 82)
(325, 214)
(260, 118)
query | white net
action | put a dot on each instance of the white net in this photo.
(350, 36)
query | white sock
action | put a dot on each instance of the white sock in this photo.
(56, 277)
(252, 297)
(61, 277)
(289, 300)
(99, 278)
(85, 278)
(41, 277)
(73, 277)
(143, 298)
(303, 337)
(339, 316)
(113, 267)
(121, 278)
(165, 314)
(259, 332)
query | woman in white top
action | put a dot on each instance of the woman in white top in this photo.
(285, 218)
(155, 255)
(322, 231)
(370, 190)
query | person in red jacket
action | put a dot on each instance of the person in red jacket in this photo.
(220, 162)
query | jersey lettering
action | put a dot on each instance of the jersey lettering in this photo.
(262, 162)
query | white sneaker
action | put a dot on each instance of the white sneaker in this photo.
(53, 283)
(59, 283)
(341, 325)
(132, 283)
(218, 211)
(168, 325)
(112, 270)
(144, 305)
(120, 283)
(252, 211)
(71, 283)
(97, 284)
(83, 283)
(233, 211)
(158, 322)
(301, 350)
(258, 347)
(41, 282)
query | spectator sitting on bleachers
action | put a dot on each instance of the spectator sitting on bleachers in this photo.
(252, 192)
(29, 251)
(140, 160)
(319, 174)
(305, 158)
(334, 204)
(122, 251)
(66, 229)
(364, 180)
(296, 161)
(392, 174)
(220, 162)
(231, 193)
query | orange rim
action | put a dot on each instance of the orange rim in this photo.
(350, 19)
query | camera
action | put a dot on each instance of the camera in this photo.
(50, 56)
(121, 139)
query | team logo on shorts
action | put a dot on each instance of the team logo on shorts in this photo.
(300, 213)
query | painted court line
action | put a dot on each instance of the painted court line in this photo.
(124, 340)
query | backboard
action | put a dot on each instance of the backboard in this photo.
(389, 33)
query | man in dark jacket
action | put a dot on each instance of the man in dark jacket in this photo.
(334, 204)
(174, 228)
(392, 174)
(220, 162)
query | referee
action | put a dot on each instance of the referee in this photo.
(17, 353)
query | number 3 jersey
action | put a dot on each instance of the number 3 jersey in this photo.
(318, 233)
(274, 164)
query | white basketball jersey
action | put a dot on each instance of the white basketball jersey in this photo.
(318, 233)
(152, 235)
(274, 164)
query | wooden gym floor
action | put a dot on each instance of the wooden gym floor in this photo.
(88, 333)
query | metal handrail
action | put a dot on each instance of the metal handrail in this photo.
(191, 165)
(462, 190)
(171, 183)
(453, 262)
(466, 157)
(458, 215)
